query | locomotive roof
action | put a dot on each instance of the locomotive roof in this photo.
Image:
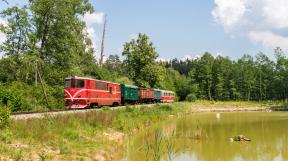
(127, 85)
(87, 78)
(167, 91)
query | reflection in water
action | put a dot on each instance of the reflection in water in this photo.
(203, 136)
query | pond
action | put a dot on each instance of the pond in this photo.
(205, 136)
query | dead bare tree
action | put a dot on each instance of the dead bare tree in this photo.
(102, 43)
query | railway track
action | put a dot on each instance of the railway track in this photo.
(42, 114)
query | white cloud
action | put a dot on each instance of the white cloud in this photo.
(229, 12)
(93, 36)
(94, 18)
(263, 22)
(276, 13)
(268, 39)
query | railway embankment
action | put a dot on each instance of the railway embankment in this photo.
(96, 134)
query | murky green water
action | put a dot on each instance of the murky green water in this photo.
(205, 136)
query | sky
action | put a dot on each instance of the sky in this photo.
(188, 28)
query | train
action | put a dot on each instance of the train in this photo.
(84, 92)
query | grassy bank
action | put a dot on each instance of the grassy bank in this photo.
(92, 135)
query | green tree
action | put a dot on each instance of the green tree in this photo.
(247, 78)
(16, 31)
(60, 36)
(18, 61)
(281, 74)
(203, 75)
(115, 66)
(265, 75)
(141, 62)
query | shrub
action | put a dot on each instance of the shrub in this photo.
(166, 107)
(20, 96)
(191, 97)
(106, 108)
(129, 108)
(10, 97)
(6, 136)
(4, 117)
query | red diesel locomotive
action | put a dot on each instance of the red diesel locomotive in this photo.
(83, 92)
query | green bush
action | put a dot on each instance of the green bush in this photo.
(191, 97)
(6, 136)
(166, 107)
(12, 96)
(20, 96)
(4, 117)
(129, 108)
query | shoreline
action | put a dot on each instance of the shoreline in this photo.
(237, 109)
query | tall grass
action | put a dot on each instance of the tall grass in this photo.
(79, 134)
(160, 146)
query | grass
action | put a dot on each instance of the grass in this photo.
(81, 136)
(205, 103)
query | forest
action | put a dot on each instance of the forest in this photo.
(48, 40)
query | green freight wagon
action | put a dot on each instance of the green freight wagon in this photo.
(157, 95)
(129, 94)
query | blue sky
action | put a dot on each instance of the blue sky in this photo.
(177, 29)
(188, 28)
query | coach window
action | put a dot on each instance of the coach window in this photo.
(80, 83)
(110, 89)
(101, 86)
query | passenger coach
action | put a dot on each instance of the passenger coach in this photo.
(167, 96)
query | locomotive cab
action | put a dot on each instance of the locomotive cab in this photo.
(75, 92)
(83, 92)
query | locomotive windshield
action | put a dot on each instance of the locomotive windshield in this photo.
(67, 83)
(80, 83)
(73, 83)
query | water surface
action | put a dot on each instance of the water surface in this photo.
(205, 136)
